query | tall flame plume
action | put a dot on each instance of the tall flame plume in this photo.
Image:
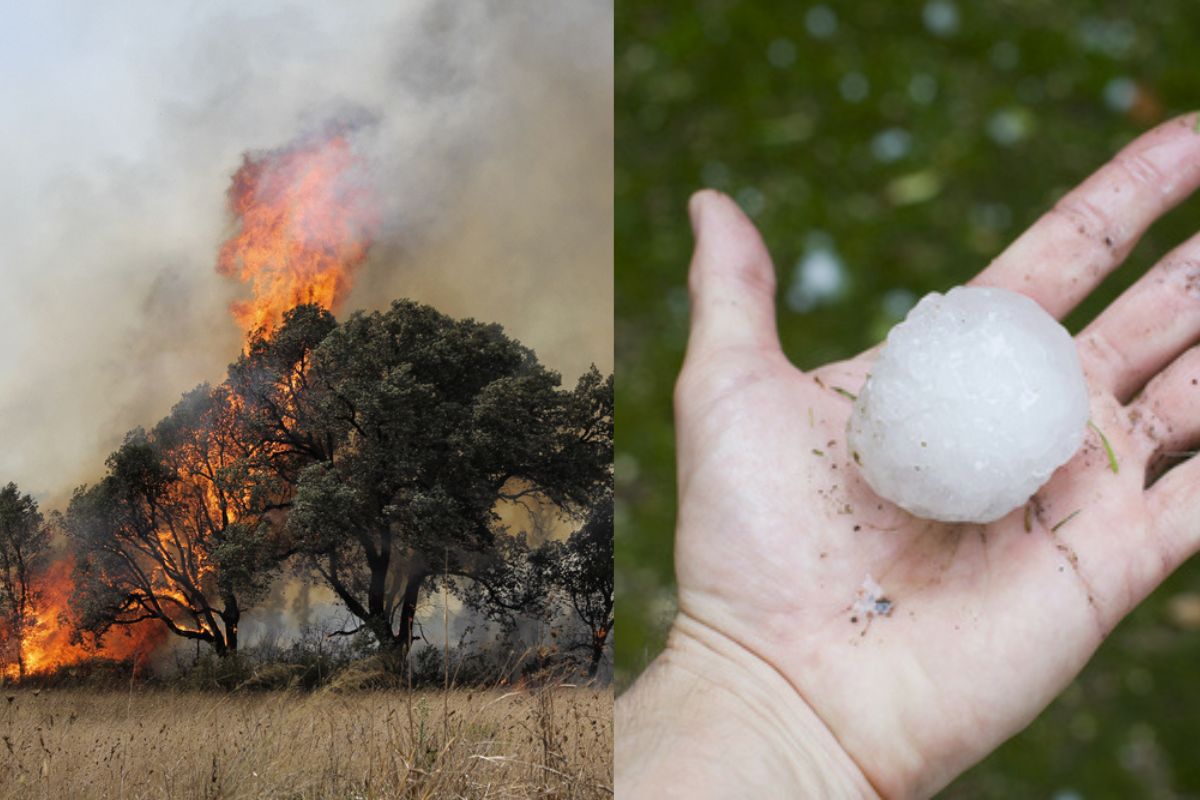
(307, 220)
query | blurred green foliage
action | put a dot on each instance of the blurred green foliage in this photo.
(888, 149)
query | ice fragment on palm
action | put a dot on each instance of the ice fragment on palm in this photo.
(870, 599)
(975, 399)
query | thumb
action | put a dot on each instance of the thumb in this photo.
(731, 281)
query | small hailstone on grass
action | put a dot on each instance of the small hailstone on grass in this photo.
(975, 399)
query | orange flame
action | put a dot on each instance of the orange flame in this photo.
(306, 224)
(48, 646)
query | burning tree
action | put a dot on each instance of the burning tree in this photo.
(23, 542)
(183, 527)
(280, 403)
(178, 531)
(413, 429)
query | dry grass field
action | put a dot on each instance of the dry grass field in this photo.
(540, 743)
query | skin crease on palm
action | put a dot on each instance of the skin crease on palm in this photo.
(990, 622)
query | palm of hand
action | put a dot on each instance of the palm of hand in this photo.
(987, 621)
(778, 531)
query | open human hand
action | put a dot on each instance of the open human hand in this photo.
(987, 623)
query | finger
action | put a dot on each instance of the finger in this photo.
(1089, 231)
(1166, 416)
(1174, 507)
(1147, 327)
(731, 281)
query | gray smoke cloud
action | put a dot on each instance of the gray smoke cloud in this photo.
(490, 146)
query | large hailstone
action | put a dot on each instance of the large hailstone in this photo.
(976, 398)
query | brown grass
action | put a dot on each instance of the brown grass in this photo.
(542, 743)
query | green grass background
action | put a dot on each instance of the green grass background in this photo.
(912, 140)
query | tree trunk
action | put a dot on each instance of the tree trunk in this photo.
(408, 612)
(379, 618)
(20, 630)
(389, 642)
(231, 616)
(599, 637)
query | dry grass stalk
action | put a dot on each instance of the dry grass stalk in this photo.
(553, 742)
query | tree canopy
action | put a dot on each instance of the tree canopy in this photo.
(432, 423)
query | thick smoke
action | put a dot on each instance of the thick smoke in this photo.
(490, 145)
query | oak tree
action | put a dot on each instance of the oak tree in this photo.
(418, 429)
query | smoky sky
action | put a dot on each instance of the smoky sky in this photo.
(489, 145)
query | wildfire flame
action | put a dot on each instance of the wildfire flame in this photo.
(307, 222)
(48, 646)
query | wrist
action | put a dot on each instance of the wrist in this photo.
(710, 719)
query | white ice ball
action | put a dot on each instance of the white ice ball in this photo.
(975, 399)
